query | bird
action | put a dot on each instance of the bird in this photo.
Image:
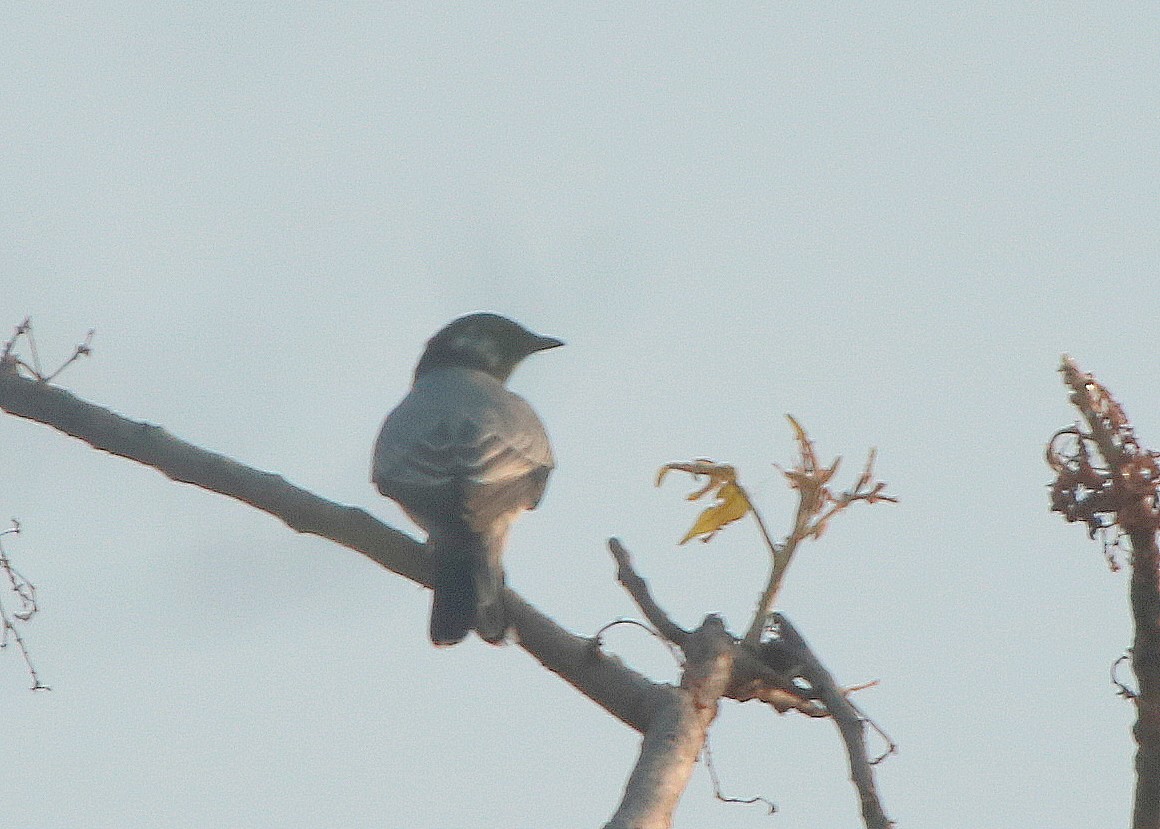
(464, 456)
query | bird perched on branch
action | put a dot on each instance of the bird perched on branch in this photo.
(464, 457)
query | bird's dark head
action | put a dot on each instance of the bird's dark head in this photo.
(487, 342)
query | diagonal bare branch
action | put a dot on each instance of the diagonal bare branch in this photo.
(624, 693)
(846, 717)
(638, 588)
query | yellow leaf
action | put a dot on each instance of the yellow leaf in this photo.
(731, 505)
(731, 502)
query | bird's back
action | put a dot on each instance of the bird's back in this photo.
(461, 443)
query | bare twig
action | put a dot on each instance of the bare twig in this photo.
(634, 622)
(674, 650)
(891, 746)
(861, 686)
(8, 355)
(707, 753)
(11, 361)
(25, 593)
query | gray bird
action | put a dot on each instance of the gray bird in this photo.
(464, 457)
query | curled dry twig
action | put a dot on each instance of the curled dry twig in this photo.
(707, 753)
(25, 593)
(1122, 690)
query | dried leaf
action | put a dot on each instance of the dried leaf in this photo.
(731, 502)
(731, 505)
(715, 472)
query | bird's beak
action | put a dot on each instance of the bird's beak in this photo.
(544, 343)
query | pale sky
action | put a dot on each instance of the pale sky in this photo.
(887, 221)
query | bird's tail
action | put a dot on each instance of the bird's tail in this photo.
(468, 589)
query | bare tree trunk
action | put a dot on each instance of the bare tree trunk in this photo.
(1108, 481)
(1145, 596)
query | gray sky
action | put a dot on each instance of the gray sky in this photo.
(888, 222)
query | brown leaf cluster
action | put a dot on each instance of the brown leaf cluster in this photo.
(1103, 478)
(817, 502)
(811, 479)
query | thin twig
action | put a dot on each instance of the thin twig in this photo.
(861, 686)
(782, 556)
(1123, 690)
(707, 753)
(9, 360)
(32, 346)
(891, 746)
(82, 350)
(770, 544)
(636, 622)
(25, 592)
(674, 651)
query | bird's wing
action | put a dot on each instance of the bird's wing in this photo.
(504, 473)
(480, 462)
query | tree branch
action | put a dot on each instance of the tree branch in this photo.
(624, 693)
(763, 673)
(677, 734)
(674, 721)
(847, 719)
(637, 587)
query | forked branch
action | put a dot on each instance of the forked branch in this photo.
(781, 671)
(817, 505)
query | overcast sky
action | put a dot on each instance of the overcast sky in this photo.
(887, 221)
